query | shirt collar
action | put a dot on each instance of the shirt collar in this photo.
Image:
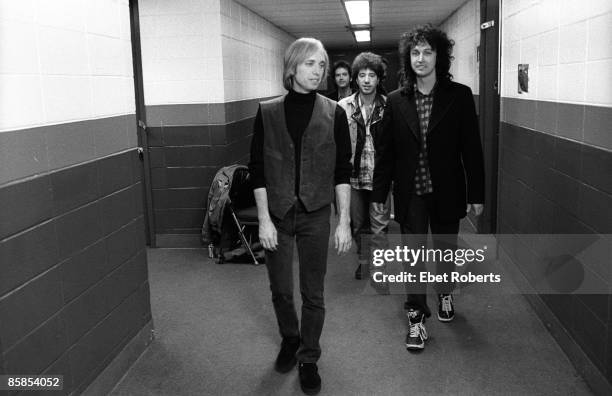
(419, 93)
(297, 97)
(378, 100)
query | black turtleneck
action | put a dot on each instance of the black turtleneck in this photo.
(298, 110)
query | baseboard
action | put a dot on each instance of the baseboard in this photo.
(583, 365)
(119, 366)
(190, 241)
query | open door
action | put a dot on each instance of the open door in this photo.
(489, 104)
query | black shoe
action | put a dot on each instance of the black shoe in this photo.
(417, 334)
(446, 311)
(286, 357)
(358, 274)
(361, 269)
(310, 381)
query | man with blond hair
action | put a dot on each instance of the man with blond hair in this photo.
(300, 154)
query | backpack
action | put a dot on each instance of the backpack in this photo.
(218, 199)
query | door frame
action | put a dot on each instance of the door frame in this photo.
(489, 108)
(141, 117)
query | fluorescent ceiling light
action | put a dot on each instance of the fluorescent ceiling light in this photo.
(358, 11)
(362, 35)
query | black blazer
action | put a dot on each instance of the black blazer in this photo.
(454, 152)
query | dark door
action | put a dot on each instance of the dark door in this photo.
(488, 104)
(141, 117)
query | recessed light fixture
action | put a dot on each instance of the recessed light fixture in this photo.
(362, 35)
(358, 11)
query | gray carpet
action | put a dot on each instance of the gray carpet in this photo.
(216, 334)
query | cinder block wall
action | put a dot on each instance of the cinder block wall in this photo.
(556, 148)
(463, 26)
(73, 275)
(206, 65)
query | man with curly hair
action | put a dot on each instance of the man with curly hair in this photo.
(364, 110)
(430, 148)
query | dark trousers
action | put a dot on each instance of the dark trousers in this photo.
(310, 231)
(421, 217)
(368, 227)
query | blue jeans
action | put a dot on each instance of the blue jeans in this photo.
(368, 227)
(310, 231)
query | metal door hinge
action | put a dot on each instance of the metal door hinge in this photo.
(487, 24)
(140, 151)
(142, 125)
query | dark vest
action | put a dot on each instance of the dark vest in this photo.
(318, 157)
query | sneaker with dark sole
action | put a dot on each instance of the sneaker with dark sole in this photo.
(417, 333)
(286, 359)
(310, 380)
(446, 310)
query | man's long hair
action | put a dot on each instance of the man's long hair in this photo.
(297, 53)
(439, 42)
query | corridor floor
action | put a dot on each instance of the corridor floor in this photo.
(216, 335)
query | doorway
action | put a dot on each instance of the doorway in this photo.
(141, 117)
(489, 105)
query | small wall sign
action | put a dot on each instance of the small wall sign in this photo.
(523, 78)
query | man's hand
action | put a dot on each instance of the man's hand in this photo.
(476, 208)
(342, 237)
(378, 206)
(267, 234)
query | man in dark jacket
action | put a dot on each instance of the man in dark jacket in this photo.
(431, 150)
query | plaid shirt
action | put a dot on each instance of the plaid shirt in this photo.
(364, 178)
(422, 178)
(363, 131)
(365, 175)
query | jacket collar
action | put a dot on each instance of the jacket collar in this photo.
(377, 113)
(443, 98)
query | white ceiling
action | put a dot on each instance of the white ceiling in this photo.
(327, 21)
